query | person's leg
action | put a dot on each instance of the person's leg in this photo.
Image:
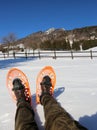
(24, 119)
(56, 118)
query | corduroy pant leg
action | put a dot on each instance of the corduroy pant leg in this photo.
(24, 119)
(56, 118)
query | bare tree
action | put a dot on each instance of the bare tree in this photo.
(9, 40)
(30, 44)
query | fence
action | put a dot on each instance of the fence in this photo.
(50, 54)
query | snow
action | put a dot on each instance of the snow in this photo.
(93, 49)
(76, 89)
(49, 30)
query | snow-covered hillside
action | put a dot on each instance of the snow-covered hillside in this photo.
(76, 89)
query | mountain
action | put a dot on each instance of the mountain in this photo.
(76, 36)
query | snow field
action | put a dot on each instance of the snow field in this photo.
(76, 89)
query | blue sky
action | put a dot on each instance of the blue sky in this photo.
(24, 17)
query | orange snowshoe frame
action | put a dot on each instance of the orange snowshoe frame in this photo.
(47, 70)
(16, 73)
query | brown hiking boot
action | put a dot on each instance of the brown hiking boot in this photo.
(20, 91)
(46, 85)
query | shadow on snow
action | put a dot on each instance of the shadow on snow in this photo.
(89, 122)
(12, 62)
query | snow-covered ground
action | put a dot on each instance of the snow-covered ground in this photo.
(76, 89)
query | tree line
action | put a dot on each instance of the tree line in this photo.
(10, 42)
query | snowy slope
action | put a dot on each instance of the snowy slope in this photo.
(76, 89)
